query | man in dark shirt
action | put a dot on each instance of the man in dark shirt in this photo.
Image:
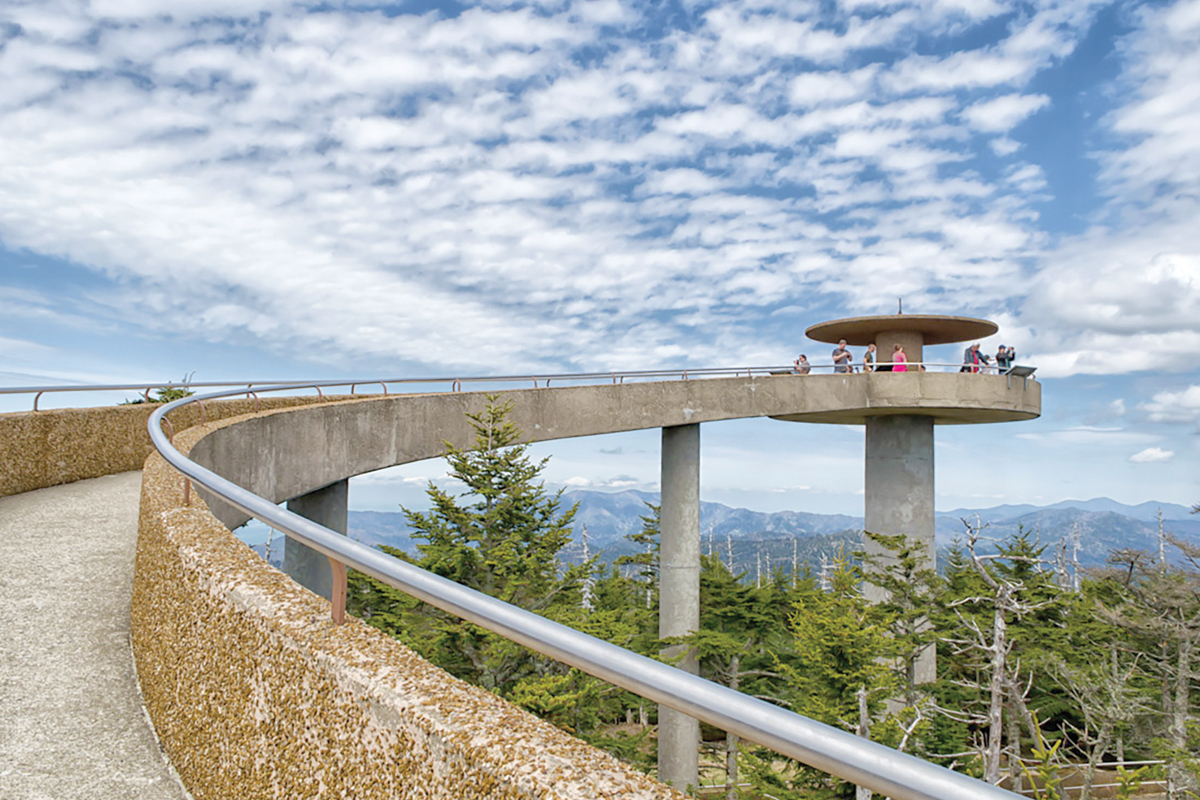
(1005, 357)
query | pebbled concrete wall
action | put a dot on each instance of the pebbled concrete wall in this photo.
(50, 448)
(255, 693)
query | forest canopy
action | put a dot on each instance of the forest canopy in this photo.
(1047, 677)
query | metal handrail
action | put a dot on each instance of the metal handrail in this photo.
(539, 379)
(837, 752)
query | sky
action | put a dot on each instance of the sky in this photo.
(271, 190)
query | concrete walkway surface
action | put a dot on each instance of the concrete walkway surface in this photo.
(71, 719)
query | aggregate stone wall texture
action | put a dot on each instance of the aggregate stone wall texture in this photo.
(48, 448)
(255, 693)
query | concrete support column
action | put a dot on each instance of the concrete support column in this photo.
(306, 566)
(899, 494)
(679, 592)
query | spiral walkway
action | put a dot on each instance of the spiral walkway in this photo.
(71, 719)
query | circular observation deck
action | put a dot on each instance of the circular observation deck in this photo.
(950, 398)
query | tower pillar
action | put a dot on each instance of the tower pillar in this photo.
(899, 494)
(679, 593)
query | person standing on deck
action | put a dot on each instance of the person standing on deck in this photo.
(842, 358)
(868, 364)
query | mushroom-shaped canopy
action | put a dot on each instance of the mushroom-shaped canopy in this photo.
(932, 328)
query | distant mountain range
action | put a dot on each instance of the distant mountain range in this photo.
(756, 540)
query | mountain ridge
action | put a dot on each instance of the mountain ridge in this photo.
(749, 537)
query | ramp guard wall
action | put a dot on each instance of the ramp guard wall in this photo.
(50, 448)
(255, 693)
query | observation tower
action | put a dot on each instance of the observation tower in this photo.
(900, 410)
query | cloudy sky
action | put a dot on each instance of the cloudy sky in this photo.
(264, 189)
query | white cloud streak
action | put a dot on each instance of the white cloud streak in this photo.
(1152, 455)
(521, 185)
(1183, 406)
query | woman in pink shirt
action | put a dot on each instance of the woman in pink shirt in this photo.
(899, 360)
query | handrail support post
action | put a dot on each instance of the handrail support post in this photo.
(337, 597)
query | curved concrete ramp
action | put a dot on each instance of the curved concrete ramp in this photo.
(71, 719)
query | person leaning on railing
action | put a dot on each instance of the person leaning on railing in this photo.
(802, 366)
(974, 360)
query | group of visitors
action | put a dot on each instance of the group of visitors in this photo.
(843, 361)
(974, 360)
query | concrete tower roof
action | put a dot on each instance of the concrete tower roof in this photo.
(933, 328)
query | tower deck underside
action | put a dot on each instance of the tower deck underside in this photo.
(950, 398)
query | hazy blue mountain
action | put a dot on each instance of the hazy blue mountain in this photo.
(774, 539)
(1099, 531)
(1146, 512)
(381, 527)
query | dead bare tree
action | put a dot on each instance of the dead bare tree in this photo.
(1107, 700)
(1006, 602)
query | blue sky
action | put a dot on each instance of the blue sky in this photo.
(262, 190)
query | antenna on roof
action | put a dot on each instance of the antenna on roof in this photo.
(900, 310)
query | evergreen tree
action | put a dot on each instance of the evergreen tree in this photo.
(742, 629)
(1158, 604)
(1103, 683)
(644, 564)
(502, 536)
(912, 589)
(839, 671)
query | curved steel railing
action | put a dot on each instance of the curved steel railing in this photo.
(882, 769)
(538, 380)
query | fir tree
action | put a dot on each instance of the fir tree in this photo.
(1000, 618)
(502, 537)
(742, 627)
(1158, 605)
(912, 588)
(839, 671)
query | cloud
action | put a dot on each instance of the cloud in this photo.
(1004, 146)
(1002, 114)
(1089, 435)
(614, 483)
(1120, 302)
(1151, 455)
(1162, 112)
(516, 188)
(1125, 295)
(23, 350)
(1183, 406)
